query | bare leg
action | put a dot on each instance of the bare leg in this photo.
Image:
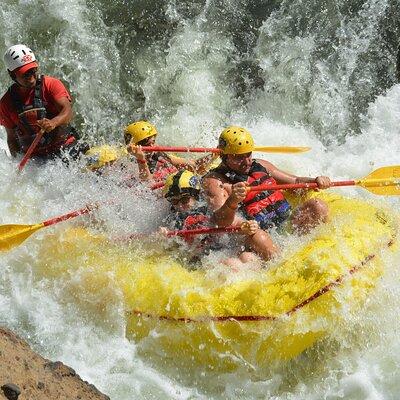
(248, 256)
(246, 260)
(262, 244)
(309, 215)
(233, 263)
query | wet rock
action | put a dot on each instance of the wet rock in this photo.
(11, 391)
(60, 369)
(40, 385)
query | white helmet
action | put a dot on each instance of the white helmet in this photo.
(19, 55)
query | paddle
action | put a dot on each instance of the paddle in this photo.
(185, 232)
(202, 231)
(29, 152)
(384, 181)
(265, 149)
(13, 235)
(157, 185)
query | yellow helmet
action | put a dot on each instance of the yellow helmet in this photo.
(236, 140)
(99, 156)
(182, 182)
(140, 130)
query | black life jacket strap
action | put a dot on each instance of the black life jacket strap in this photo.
(37, 103)
(19, 107)
(235, 177)
(38, 98)
(154, 159)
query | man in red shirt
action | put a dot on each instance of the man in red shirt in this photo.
(33, 103)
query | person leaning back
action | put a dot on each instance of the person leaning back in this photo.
(36, 102)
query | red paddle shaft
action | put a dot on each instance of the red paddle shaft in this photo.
(70, 215)
(201, 231)
(185, 232)
(157, 185)
(309, 185)
(181, 149)
(30, 150)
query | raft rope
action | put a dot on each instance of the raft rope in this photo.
(239, 318)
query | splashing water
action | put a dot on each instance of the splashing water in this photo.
(318, 74)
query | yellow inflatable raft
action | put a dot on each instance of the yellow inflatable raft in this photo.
(223, 320)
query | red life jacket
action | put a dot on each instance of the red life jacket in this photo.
(27, 129)
(160, 166)
(193, 219)
(196, 218)
(255, 202)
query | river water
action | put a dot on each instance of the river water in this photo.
(299, 72)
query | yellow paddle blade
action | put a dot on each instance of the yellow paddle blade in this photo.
(384, 181)
(282, 149)
(13, 235)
